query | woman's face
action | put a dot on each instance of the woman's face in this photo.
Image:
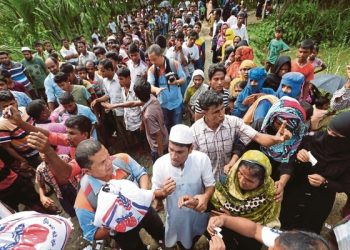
(224, 27)
(197, 80)
(247, 182)
(283, 70)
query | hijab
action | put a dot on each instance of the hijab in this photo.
(200, 90)
(245, 64)
(257, 205)
(289, 110)
(273, 79)
(242, 53)
(295, 81)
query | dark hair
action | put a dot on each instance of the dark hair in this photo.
(193, 34)
(123, 72)
(79, 122)
(60, 77)
(142, 89)
(307, 108)
(66, 98)
(107, 64)
(84, 150)
(80, 68)
(198, 24)
(256, 170)
(218, 67)
(35, 108)
(99, 50)
(242, 84)
(307, 44)
(67, 68)
(133, 49)
(179, 35)
(64, 39)
(54, 57)
(296, 240)
(6, 95)
(4, 53)
(240, 14)
(37, 43)
(112, 55)
(5, 73)
(129, 35)
(316, 47)
(161, 41)
(218, 11)
(210, 98)
(82, 42)
(320, 101)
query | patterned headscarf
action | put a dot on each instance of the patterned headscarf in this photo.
(289, 110)
(257, 205)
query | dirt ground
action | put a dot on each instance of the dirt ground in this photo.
(76, 241)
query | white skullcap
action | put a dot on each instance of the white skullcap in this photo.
(181, 133)
(25, 49)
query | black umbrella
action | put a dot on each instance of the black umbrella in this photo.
(329, 83)
(165, 4)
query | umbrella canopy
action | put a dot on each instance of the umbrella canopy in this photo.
(165, 4)
(329, 83)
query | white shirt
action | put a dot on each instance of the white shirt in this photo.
(232, 21)
(242, 32)
(112, 26)
(183, 224)
(67, 52)
(132, 116)
(193, 53)
(113, 90)
(90, 56)
(136, 70)
(215, 25)
(172, 54)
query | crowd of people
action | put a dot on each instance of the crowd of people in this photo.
(251, 155)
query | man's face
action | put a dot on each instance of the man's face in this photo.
(124, 81)
(66, 44)
(197, 29)
(240, 20)
(39, 48)
(303, 54)
(5, 59)
(155, 59)
(278, 34)
(75, 136)
(286, 89)
(82, 74)
(126, 29)
(101, 167)
(106, 73)
(178, 42)
(236, 40)
(52, 66)
(190, 42)
(48, 47)
(128, 40)
(81, 48)
(3, 85)
(215, 114)
(45, 114)
(135, 57)
(178, 154)
(6, 104)
(27, 55)
(217, 81)
(70, 107)
(90, 68)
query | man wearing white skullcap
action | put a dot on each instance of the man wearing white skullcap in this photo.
(184, 178)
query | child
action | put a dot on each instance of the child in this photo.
(316, 62)
(79, 92)
(276, 46)
(321, 116)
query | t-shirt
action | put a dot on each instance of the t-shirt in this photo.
(112, 26)
(193, 54)
(81, 95)
(67, 52)
(275, 48)
(225, 96)
(307, 70)
(17, 71)
(37, 71)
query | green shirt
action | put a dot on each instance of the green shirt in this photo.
(275, 48)
(37, 71)
(80, 94)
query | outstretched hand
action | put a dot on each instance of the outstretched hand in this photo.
(38, 141)
(283, 133)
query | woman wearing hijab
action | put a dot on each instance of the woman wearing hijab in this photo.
(245, 66)
(229, 36)
(194, 91)
(214, 43)
(248, 192)
(252, 91)
(243, 52)
(321, 169)
(281, 67)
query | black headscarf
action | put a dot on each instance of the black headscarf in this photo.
(327, 148)
(273, 80)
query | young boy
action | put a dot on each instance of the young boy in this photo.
(318, 64)
(152, 118)
(200, 42)
(302, 65)
(276, 46)
(81, 95)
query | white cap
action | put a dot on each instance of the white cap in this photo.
(189, 13)
(25, 49)
(181, 133)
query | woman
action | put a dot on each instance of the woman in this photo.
(222, 39)
(242, 53)
(282, 66)
(248, 192)
(214, 43)
(229, 36)
(245, 66)
(320, 171)
(251, 92)
(194, 91)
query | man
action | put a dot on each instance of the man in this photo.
(112, 26)
(40, 52)
(101, 168)
(84, 54)
(48, 47)
(223, 150)
(217, 20)
(240, 29)
(18, 72)
(52, 90)
(170, 97)
(184, 178)
(21, 98)
(200, 42)
(341, 97)
(69, 52)
(232, 20)
(36, 69)
(137, 67)
(94, 78)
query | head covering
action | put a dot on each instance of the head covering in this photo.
(32, 230)
(326, 148)
(247, 64)
(26, 49)
(121, 205)
(257, 205)
(289, 110)
(295, 81)
(244, 53)
(202, 88)
(258, 74)
(342, 233)
(181, 133)
(273, 80)
(229, 34)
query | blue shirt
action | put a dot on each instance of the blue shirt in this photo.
(22, 99)
(53, 92)
(170, 98)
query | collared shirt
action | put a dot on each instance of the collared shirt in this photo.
(219, 144)
(232, 21)
(113, 90)
(343, 99)
(124, 167)
(22, 99)
(84, 58)
(193, 54)
(67, 52)
(17, 71)
(183, 224)
(242, 32)
(136, 70)
(52, 90)
(132, 116)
